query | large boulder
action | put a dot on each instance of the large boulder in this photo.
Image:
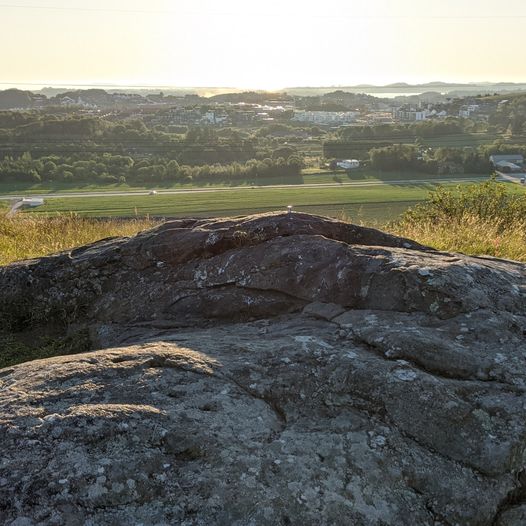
(276, 369)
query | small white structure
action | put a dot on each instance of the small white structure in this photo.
(32, 202)
(466, 110)
(348, 164)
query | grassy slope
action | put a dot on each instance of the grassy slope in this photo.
(471, 235)
(25, 236)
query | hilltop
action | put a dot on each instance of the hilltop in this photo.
(271, 369)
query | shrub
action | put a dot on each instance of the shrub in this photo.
(481, 219)
(489, 201)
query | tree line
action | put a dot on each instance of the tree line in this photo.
(439, 160)
(107, 168)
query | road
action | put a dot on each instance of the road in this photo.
(358, 184)
(512, 177)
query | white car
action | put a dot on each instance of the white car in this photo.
(153, 192)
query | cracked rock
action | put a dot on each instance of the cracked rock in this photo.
(266, 370)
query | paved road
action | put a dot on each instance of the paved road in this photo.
(512, 177)
(357, 184)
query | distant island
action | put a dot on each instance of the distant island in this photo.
(391, 90)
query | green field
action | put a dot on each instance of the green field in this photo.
(310, 176)
(367, 204)
(62, 188)
(461, 140)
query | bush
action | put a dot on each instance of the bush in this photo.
(481, 219)
(489, 201)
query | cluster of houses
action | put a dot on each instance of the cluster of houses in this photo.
(468, 108)
(336, 109)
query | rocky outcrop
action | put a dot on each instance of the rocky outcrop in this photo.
(271, 370)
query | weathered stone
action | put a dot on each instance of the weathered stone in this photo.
(514, 516)
(268, 370)
(324, 311)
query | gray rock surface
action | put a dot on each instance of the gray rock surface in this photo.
(263, 371)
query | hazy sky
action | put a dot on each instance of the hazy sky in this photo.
(267, 44)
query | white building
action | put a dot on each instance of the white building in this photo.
(32, 202)
(212, 117)
(348, 164)
(325, 117)
(467, 110)
(410, 115)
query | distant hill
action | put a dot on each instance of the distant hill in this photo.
(14, 99)
(249, 97)
(404, 88)
(95, 97)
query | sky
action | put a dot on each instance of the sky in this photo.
(266, 45)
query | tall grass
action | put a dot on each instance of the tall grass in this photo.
(480, 219)
(26, 236)
(469, 235)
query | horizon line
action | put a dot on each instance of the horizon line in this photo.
(399, 84)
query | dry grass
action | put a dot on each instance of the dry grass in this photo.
(469, 235)
(27, 236)
(481, 219)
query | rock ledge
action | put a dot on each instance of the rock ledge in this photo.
(268, 370)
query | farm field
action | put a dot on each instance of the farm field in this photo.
(310, 176)
(367, 204)
(461, 140)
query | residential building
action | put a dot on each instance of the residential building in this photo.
(410, 115)
(325, 117)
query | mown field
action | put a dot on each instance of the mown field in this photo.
(310, 176)
(461, 140)
(377, 204)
